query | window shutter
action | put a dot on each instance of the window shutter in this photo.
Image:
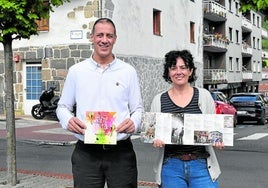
(43, 24)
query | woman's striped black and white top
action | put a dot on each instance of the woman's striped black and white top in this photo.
(168, 106)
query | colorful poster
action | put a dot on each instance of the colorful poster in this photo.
(100, 128)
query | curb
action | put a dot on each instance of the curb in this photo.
(48, 142)
(64, 177)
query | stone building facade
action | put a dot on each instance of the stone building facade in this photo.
(56, 60)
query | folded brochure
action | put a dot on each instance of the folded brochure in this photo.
(187, 129)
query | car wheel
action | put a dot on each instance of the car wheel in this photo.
(263, 119)
(239, 121)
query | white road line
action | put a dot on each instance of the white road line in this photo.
(255, 136)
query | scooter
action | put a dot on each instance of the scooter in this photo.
(48, 104)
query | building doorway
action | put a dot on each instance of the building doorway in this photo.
(32, 85)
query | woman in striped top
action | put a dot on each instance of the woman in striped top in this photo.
(184, 166)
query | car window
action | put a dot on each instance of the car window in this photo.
(222, 97)
(218, 96)
(214, 96)
(243, 98)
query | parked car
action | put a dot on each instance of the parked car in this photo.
(250, 106)
(222, 105)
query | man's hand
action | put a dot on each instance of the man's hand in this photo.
(76, 126)
(127, 126)
(158, 143)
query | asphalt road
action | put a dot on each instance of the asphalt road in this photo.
(243, 166)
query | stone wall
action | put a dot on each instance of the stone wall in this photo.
(56, 60)
(150, 72)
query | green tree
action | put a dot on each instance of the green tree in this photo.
(17, 20)
(258, 5)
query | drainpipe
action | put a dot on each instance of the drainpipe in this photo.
(100, 8)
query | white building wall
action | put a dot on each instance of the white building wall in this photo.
(134, 21)
(61, 27)
(234, 21)
(136, 43)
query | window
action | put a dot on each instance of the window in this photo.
(258, 21)
(192, 40)
(237, 64)
(230, 34)
(253, 17)
(43, 24)
(254, 42)
(236, 8)
(156, 22)
(230, 5)
(33, 81)
(254, 69)
(230, 63)
(237, 36)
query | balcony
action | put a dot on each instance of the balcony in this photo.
(215, 43)
(264, 33)
(264, 73)
(247, 75)
(214, 11)
(264, 54)
(246, 25)
(246, 50)
(215, 76)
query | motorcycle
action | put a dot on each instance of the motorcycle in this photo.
(48, 104)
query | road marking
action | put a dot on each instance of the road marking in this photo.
(255, 136)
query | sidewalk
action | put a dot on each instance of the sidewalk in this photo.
(46, 131)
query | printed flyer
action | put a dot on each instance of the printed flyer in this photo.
(100, 128)
(187, 129)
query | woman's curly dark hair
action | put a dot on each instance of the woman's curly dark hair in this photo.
(171, 60)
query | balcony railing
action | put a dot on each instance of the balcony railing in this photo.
(215, 75)
(247, 75)
(246, 24)
(265, 73)
(214, 7)
(264, 33)
(264, 54)
(246, 48)
(215, 40)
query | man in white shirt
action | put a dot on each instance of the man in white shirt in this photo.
(102, 83)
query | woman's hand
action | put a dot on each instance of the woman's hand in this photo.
(218, 145)
(158, 143)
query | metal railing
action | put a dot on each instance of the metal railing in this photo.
(214, 7)
(246, 48)
(246, 23)
(215, 75)
(215, 40)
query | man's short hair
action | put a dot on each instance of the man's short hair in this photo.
(103, 20)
